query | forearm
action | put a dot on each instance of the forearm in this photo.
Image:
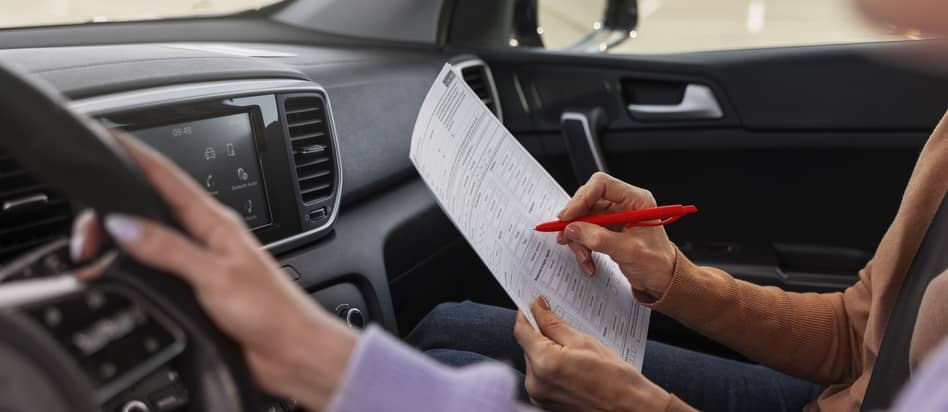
(802, 334)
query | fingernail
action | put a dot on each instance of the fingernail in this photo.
(544, 304)
(78, 239)
(572, 232)
(75, 245)
(561, 213)
(123, 228)
(589, 270)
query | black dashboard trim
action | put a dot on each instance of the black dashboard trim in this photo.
(354, 251)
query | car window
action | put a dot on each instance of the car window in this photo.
(21, 13)
(667, 26)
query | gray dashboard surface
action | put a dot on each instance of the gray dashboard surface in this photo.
(375, 93)
(375, 97)
(95, 70)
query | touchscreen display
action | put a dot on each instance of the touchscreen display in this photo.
(221, 155)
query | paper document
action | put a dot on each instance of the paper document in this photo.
(495, 192)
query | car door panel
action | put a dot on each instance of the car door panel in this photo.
(796, 180)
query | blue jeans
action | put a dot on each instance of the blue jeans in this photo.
(460, 334)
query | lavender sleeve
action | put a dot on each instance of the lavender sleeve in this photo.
(926, 391)
(385, 375)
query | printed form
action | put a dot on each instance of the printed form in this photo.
(495, 192)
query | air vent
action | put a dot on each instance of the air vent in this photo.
(30, 213)
(477, 75)
(311, 144)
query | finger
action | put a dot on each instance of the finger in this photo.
(604, 187)
(594, 237)
(583, 257)
(87, 236)
(160, 247)
(602, 206)
(560, 238)
(531, 341)
(552, 326)
(200, 214)
(96, 268)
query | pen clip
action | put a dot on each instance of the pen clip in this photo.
(663, 222)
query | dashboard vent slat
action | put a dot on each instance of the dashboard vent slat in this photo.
(301, 110)
(477, 75)
(309, 137)
(31, 214)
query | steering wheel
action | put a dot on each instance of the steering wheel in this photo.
(62, 362)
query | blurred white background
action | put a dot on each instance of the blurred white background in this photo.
(49, 12)
(664, 25)
(693, 25)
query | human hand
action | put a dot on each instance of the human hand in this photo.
(292, 347)
(644, 254)
(571, 371)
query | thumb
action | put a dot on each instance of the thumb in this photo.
(551, 325)
(593, 236)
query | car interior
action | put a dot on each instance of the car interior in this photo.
(299, 116)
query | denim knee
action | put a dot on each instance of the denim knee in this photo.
(446, 318)
(456, 324)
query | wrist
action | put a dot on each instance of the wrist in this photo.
(671, 265)
(314, 364)
(643, 395)
(661, 278)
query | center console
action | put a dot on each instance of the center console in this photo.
(265, 148)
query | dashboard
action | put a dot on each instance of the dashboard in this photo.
(309, 145)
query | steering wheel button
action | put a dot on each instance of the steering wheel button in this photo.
(53, 264)
(135, 406)
(52, 316)
(151, 344)
(169, 398)
(107, 370)
(95, 300)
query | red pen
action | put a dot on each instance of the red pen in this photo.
(664, 215)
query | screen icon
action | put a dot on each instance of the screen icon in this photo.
(231, 152)
(242, 174)
(209, 153)
(209, 182)
(249, 207)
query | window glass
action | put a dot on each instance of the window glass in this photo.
(668, 26)
(20, 13)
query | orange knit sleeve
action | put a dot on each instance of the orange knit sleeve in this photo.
(807, 335)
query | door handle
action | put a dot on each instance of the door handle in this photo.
(697, 103)
(581, 136)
